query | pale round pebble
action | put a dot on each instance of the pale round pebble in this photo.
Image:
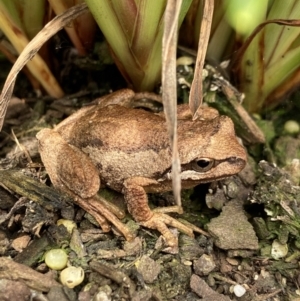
(185, 60)
(70, 225)
(187, 262)
(292, 127)
(232, 261)
(71, 276)
(56, 259)
(239, 290)
(279, 250)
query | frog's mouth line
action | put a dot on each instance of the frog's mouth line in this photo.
(187, 172)
(231, 160)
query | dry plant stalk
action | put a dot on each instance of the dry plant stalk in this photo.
(195, 99)
(13, 24)
(169, 78)
(169, 88)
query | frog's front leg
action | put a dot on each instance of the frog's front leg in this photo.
(137, 204)
(72, 172)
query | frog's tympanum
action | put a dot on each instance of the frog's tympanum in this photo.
(129, 151)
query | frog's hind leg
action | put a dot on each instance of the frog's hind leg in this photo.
(72, 172)
(137, 204)
(102, 214)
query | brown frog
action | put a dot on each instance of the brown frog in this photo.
(129, 150)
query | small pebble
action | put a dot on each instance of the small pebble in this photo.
(232, 261)
(21, 242)
(70, 225)
(239, 290)
(185, 60)
(71, 276)
(204, 265)
(148, 268)
(291, 127)
(279, 250)
(187, 262)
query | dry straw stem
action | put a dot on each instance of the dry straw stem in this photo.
(169, 77)
(30, 51)
(19, 40)
(169, 87)
(196, 92)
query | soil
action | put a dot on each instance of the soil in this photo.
(252, 221)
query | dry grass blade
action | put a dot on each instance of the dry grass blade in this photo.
(31, 49)
(196, 96)
(14, 28)
(169, 87)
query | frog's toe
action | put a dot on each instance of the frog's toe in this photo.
(160, 221)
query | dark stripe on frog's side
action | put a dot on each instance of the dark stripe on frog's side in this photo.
(97, 143)
(94, 142)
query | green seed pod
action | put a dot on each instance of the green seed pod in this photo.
(56, 259)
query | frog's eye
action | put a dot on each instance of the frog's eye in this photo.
(202, 165)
